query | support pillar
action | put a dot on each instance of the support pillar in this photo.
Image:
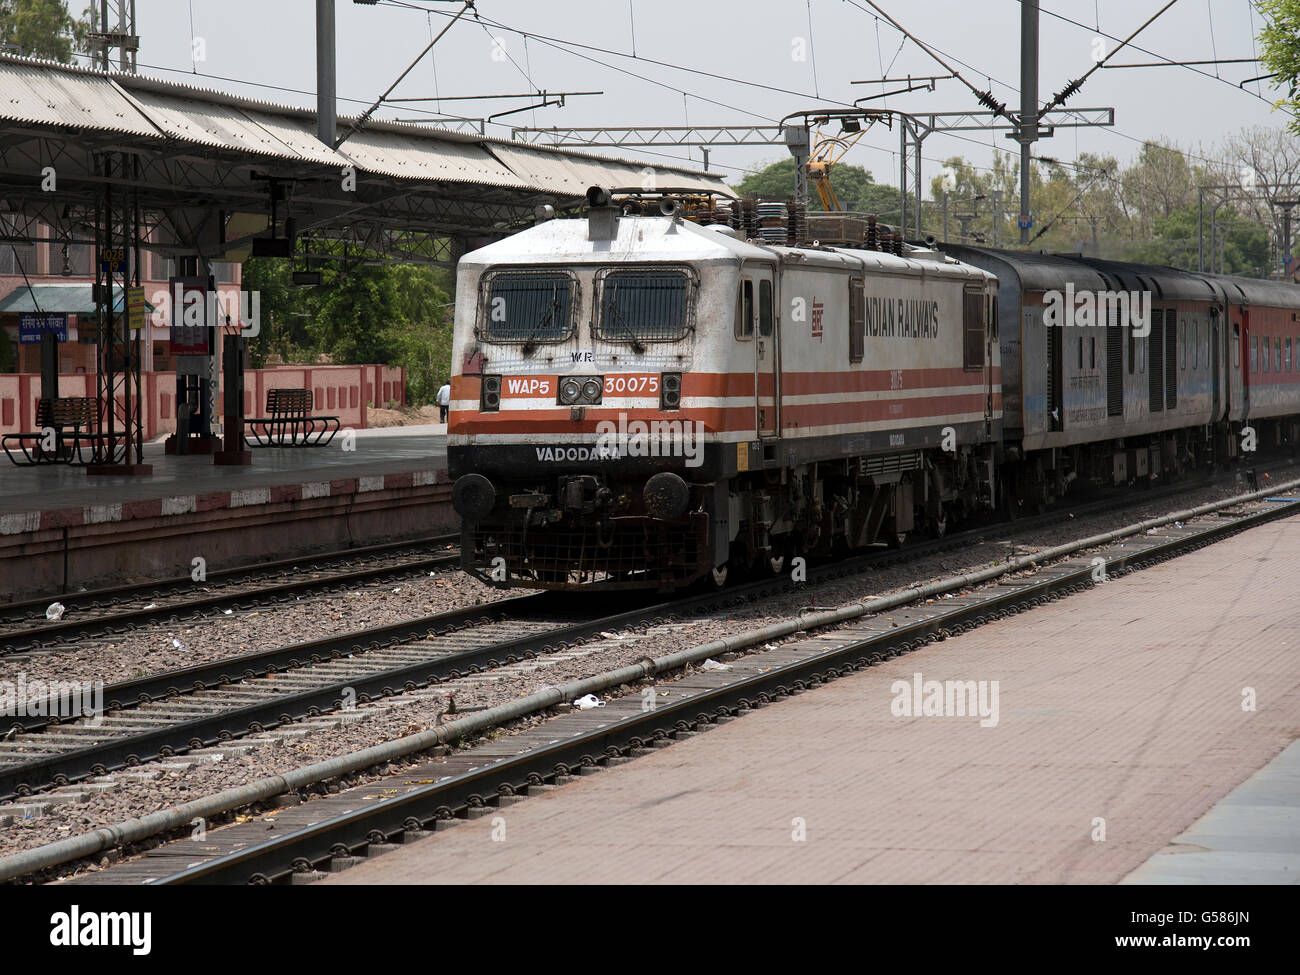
(233, 451)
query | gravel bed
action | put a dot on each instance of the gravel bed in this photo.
(404, 716)
(157, 649)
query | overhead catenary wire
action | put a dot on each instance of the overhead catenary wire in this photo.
(1060, 97)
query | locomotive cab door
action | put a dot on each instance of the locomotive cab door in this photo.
(767, 356)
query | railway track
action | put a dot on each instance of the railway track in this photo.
(24, 627)
(163, 715)
(335, 831)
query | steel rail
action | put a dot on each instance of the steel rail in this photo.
(420, 809)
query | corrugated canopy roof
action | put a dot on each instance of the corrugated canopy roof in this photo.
(69, 299)
(44, 93)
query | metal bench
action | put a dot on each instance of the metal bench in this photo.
(67, 424)
(289, 423)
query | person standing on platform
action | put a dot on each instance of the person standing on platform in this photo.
(444, 400)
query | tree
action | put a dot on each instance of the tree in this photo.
(1280, 51)
(43, 29)
(853, 185)
(397, 314)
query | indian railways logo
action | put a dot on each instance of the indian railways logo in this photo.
(817, 309)
(909, 318)
(1084, 309)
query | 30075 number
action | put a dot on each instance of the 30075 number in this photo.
(632, 385)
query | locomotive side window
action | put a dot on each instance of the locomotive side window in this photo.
(643, 305)
(745, 310)
(1236, 345)
(1287, 360)
(765, 308)
(1254, 353)
(973, 327)
(1277, 355)
(1080, 351)
(1132, 349)
(528, 306)
(1092, 352)
(857, 320)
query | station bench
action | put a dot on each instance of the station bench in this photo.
(72, 419)
(289, 422)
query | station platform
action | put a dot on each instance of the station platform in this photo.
(62, 530)
(1125, 713)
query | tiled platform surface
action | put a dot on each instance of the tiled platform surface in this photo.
(1250, 836)
(62, 530)
(1120, 724)
(53, 487)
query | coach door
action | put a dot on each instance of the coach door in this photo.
(1055, 387)
(767, 357)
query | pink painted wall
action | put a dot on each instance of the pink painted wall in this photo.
(342, 391)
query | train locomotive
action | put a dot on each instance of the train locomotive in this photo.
(654, 400)
(644, 401)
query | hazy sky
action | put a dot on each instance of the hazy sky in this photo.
(271, 43)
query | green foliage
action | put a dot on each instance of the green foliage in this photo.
(853, 185)
(1280, 50)
(43, 29)
(395, 314)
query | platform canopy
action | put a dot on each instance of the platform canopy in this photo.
(206, 165)
(66, 299)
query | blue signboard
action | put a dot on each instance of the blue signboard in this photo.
(32, 326)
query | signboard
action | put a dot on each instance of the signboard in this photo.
(188, 298)
(112, 260)
(135, 307)
(1025, 221)
(31, 326)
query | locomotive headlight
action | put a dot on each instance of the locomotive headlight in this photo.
(490, 398)
(570, 390)
(670, 391)
(591, 391)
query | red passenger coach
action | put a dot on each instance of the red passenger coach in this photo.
(644, 402)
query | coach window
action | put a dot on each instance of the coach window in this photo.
(1254, 353)
(1287, 361)
(1236, 345)
(1277, 354)
(1196, 342)
(857, 320)
(745, 310)
(765, 308)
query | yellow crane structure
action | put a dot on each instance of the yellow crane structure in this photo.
(827, 151)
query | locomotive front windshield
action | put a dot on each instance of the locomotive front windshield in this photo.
(644, 306)
(529, 306)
